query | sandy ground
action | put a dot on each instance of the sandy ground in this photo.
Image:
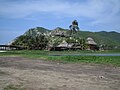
(30, 74)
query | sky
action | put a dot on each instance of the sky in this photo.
(17, 16)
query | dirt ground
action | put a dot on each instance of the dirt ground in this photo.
(33, 74)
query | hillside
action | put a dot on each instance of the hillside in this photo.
(108, 39)
(36, 31)
(103, 37)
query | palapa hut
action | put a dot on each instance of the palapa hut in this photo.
(64, 46)
(92, 45)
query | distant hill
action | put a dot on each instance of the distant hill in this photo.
(111, 39)
(102, 37)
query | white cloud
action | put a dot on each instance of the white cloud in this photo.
(101, 11)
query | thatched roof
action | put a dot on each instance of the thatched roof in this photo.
(91, 41)
(65, 44)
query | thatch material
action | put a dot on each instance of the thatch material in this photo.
(65, 44)
(91, 41)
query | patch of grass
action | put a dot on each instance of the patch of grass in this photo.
(114, 60)
(25, 53)
(37, 53)
(14, 87)
(3, 73)
(109, 51)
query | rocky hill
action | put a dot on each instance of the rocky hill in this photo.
(36, 31)
(108, 39)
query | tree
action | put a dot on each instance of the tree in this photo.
(32, 43)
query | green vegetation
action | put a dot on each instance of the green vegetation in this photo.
(14, 87)
(40, 39)
(109, 60)
(106, 40)
(37, 42)
(114, 60)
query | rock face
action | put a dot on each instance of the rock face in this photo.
(36, 31)
(58, 32)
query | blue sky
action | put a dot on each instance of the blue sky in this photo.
(17, 16)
